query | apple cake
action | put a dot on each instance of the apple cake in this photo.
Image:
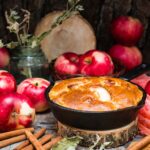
(95, 93)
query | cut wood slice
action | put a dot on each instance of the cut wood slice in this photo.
(114, 137)
(74, 35)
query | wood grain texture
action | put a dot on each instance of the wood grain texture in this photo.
(99, 13)
(75, 34)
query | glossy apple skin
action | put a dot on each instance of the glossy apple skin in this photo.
(4, 57)
(34, 88)
(7, 82)
(144, 113)
(16, 111)
(141, 80)
(127, 30)
(67, 63)
(129, 57)
(96, 63)
(147, 88)
(144, 118)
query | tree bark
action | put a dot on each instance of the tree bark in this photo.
(99, 13)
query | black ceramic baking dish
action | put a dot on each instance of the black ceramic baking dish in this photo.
(95, 120)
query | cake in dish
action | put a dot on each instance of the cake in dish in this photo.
(95, 93)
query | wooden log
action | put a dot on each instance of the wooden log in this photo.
(74, 35)
(116, 137)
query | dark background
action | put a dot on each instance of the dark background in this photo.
(98, 12)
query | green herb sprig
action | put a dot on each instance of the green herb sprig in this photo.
(68, 143)
(21, 28)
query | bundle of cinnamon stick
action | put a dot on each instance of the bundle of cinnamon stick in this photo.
(38, 140)
(143, 144)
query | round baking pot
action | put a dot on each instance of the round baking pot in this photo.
(95, 120)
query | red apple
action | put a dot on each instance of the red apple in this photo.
(16, 111)
(144, 112)
(96, 63)
(4, 57)
(7, 82)
(126, 30)
(141, 80)
(130, 57)
(34, 88)
(144, 117)
(67, 63)
(147, 88)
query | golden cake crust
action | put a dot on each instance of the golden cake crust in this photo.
(95, 93)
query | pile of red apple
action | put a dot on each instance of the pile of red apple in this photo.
(93, 62)
(144, 113)
(18, 104)
(126, 31)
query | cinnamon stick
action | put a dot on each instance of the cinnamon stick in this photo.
(52, 142)
(43, 140)
(12, 140)
(142, 143)
(10, 134)
(27, 142)
(34, 141)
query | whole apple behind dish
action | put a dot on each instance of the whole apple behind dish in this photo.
(67, 63)
(127, 30)
(96, 63)
(91, 63)
(129, 57)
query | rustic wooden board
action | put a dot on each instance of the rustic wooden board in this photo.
(48, 121)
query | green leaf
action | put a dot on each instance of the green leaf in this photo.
(14, 15)
(13, 12)
(69, 143)
(12, 45)
(79, 8)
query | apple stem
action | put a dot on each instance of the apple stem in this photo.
(36, 84)
(88, 61)
(14, 114)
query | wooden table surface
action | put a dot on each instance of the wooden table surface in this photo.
(47, 121)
